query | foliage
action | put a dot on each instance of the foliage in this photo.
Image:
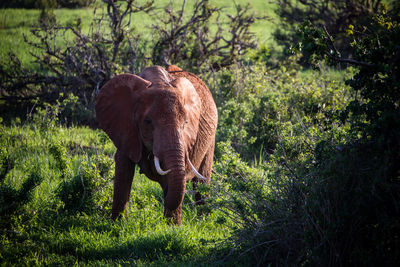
(78, 192)
(11, 198)
(374, 114)
(256, 105)
(282, 115)
(334, 15)
(334, 186)
(375, 141)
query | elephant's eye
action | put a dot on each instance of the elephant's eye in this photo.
(184, 124)
(147, 121)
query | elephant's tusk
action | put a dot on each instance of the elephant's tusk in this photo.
(158, 168)
(196, 173)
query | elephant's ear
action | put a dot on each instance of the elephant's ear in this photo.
(192, 105)
(114, 112)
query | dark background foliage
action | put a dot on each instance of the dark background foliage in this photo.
(341, 205)
(334, 15)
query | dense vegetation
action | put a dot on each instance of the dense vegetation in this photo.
(306, 163)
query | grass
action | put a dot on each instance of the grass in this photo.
(15, 23)
(46, 233)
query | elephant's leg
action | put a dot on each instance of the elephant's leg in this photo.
(175, 215)
(124, 172)
(204, 169)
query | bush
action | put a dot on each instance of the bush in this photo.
(369, 168)
(257, 104)
(335, 15)
(89, 190)
(12, 200)
(191, 42)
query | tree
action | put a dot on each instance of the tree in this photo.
(334, 15)
(364, 172)
(193, 43)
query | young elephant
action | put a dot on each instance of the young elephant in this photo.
(164, 120)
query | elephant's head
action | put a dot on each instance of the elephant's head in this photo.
(154, 116)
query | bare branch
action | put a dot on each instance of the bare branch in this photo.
(191, 43)
(350, 61)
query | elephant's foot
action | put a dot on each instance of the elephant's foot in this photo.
(199, 199)
(116, 216)
(174, 215)
(202, 208)
(117, 213)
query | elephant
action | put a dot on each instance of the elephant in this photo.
(163, 120)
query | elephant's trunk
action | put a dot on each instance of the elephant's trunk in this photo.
(175, 162)
(172, 157)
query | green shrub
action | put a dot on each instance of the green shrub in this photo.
(256, 105)
(355, 204)
(89, 190)
(334, 15)
(12, 200)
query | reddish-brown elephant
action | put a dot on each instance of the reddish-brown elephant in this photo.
(164, 120)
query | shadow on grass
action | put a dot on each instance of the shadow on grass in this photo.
(90, 239)
(166, 247)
